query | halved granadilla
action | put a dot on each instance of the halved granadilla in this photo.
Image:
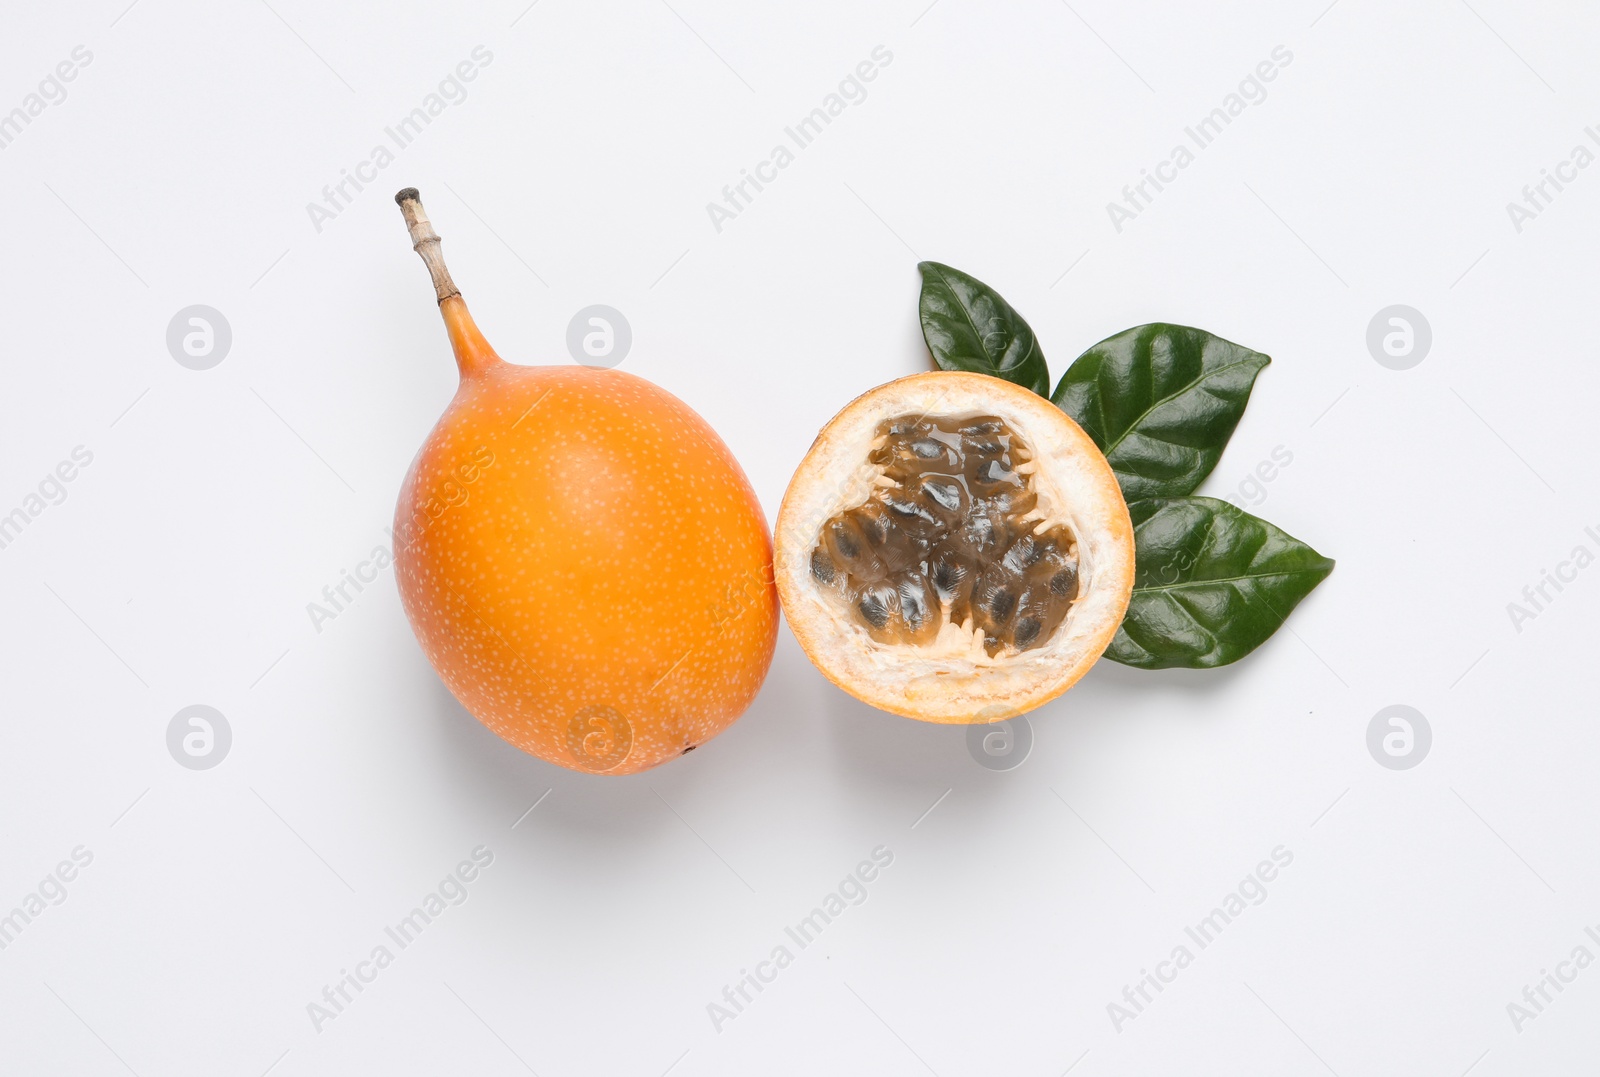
(954, 548)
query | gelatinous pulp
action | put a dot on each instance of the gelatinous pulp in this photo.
(949, 536)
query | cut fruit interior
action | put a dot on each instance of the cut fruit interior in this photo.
(954, 548)
(951, 534)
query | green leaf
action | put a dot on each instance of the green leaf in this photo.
(1211, 583)
(1161, 401)
(969, 326)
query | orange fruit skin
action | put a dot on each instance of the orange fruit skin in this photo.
(586, 566)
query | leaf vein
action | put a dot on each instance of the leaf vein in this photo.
(1170, 396)
(1253, 578)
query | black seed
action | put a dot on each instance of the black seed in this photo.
(947, 494)
(1012, 501)
(943, 539)
(1023, 553)
(874, 523)
(908, 510)
(947, 577)
(913, 603)
(848, 546)
(1064, 584)
(979, 531)
(874, 608)
(689, 749)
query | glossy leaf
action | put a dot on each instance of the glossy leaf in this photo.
(1211, 583)
(969, 326)
(1161, 401)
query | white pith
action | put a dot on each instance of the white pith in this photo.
(953, 679)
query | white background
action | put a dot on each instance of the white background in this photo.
(219, 503)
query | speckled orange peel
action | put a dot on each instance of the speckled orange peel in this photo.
(580, 556)
(932, 519)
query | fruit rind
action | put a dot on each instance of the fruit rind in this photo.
(586, 566)
(950, 682)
